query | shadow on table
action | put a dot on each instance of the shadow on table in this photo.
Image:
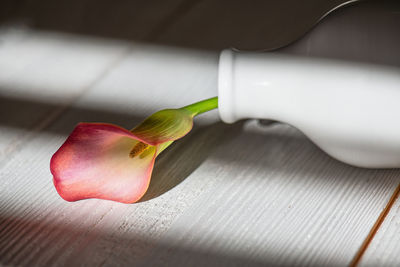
(177, 163)
(44, 242)
(27, 114)
(364, 31)
(203, 24)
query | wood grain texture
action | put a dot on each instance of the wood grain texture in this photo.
(225, 195)
(280, 200)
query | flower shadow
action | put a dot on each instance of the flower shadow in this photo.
(180, 160)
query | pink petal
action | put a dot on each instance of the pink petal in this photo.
(94, 162)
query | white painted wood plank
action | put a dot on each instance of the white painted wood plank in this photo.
(384, 249)
(224, 195)
(41, 73)
(276, 199)
(40, 219)
(228, 195)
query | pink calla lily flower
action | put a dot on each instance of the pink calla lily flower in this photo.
(105, 161)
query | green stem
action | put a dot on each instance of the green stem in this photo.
(195, 109)
(202, 106)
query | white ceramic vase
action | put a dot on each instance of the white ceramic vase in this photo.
(350, 110)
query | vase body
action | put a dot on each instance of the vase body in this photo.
(350, 110)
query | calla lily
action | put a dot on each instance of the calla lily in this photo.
(105, 161)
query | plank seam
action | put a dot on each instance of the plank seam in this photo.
(367, 241)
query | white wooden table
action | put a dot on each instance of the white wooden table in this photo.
(225, 195)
